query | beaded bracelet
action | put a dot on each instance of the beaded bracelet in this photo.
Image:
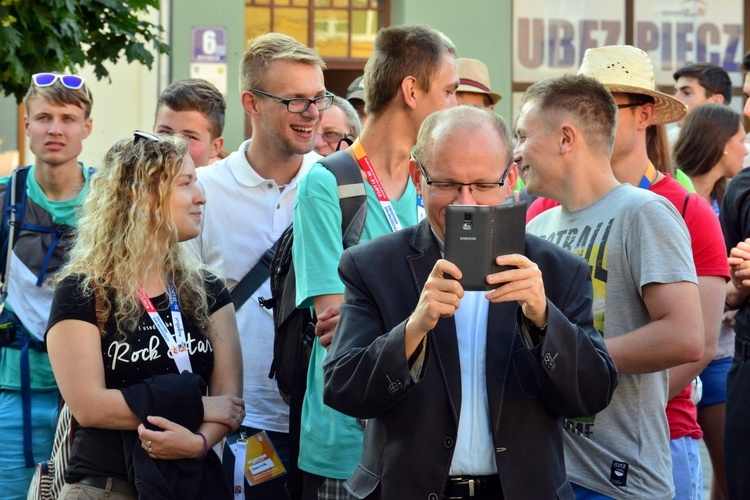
(205, 446)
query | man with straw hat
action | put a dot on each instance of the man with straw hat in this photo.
(627, 72)
(474, 86)
(645, 288)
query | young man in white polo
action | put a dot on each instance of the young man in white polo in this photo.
(252, 194)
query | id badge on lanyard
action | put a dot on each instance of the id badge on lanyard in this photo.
(177, 345)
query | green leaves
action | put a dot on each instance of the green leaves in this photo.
(60, 35)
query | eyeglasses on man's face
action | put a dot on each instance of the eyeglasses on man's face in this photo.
(479, 190)
(333, 137)
(300, 104)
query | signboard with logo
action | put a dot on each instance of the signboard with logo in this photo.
(551, 36)
(680, 32)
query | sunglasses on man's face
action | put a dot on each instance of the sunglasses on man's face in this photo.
(72, 82)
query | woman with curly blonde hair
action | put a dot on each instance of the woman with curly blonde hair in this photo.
(138, 337)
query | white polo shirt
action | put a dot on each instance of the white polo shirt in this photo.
(244, 215)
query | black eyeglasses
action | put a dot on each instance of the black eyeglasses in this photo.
(479, 190)
(139, 135)
(300, 104)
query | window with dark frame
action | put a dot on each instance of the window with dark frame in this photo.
(343, 31)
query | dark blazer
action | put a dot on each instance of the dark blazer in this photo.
(413, 424)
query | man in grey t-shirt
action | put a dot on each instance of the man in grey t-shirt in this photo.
(646, 302)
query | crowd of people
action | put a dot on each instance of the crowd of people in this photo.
(590, 368)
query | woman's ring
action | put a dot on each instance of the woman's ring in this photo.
(149, 445)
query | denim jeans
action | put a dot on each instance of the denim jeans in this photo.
(687, 469)
(15, 477)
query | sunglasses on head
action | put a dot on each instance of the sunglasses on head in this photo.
(72, 82)
(139, 135)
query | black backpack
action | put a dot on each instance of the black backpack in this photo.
(295, 328)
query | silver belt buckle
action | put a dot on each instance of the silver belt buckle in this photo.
(471, 487)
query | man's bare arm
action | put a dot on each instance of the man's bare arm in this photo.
(673, 337)
(712, 308)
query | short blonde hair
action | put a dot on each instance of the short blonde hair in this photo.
(60, 95)
(268, 48)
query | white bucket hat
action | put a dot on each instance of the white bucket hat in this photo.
(628, 69)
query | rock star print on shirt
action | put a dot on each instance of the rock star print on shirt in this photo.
(143, 353)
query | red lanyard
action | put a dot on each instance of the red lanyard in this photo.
(390, 213)
(178, 348)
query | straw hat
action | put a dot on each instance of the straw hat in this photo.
(624, 68)
(474, 77)
(356, 89)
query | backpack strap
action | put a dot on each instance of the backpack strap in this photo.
(254, 277)
(684, 207)
(352, 194)
(14, 208)
(353, 201)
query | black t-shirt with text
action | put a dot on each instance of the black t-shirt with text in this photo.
(143, 354)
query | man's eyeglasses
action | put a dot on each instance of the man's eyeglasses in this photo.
(139, 135)
(333, 137)
(479, 190)
(300, 104)
(72, 82)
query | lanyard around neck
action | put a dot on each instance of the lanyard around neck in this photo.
(649, 177)
(390, 213)
(178, 347)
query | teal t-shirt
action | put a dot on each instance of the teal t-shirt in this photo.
(37, 298)
(331, 444)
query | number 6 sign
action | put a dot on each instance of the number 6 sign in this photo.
(209, 44)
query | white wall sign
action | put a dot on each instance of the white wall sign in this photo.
(680, 32)
(551, 36)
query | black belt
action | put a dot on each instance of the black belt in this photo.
(741, 349)
(473, 486)
(118, 485)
